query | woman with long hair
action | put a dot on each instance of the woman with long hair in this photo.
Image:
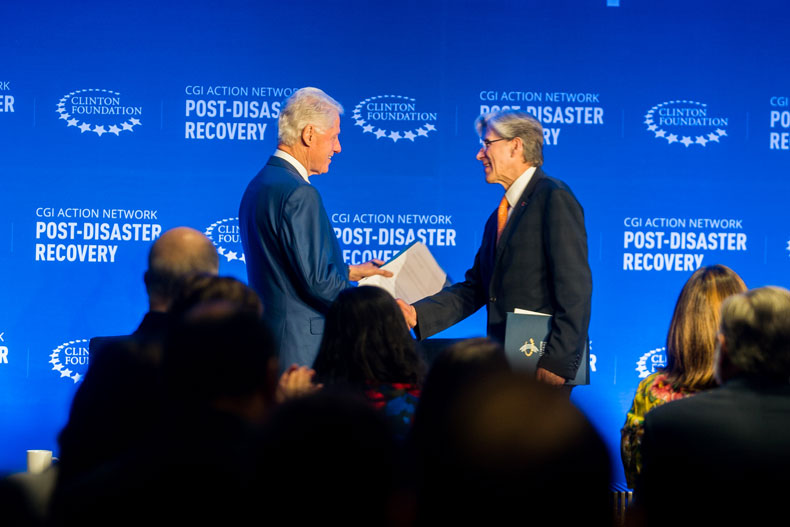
(690, 355)
(367, 346)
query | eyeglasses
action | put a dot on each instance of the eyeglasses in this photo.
(485, 143)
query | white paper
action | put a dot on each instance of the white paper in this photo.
(520, 311)
(415, 275)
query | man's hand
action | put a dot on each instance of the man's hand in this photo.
(549, 378)
(356, 272)
(296, 381)
(409, 313)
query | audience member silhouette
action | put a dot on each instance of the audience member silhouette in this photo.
(117, 403)
(330, 458)
(200, 288)
(176, 255)
(515, 451)
(690, 355)
(295, 380)
(219, 373)
(366, 345)
(722, 456)
(452, 371)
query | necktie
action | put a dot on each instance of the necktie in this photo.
(501, 217)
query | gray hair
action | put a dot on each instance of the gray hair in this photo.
(304, 107)
(756, 330)
(514, 123)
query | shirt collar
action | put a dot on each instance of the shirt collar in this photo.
(282, 154)
(518, 186)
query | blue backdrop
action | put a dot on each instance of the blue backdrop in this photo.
(669, 120)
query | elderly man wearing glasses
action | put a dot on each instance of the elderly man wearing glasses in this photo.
(533, 255)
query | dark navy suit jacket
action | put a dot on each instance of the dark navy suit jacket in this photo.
(539, 264)
(722, 457)
(294, 260)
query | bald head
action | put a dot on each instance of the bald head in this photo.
(177, 254)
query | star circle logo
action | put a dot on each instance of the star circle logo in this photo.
(70, 359)
(225, 236)
(394, 117)
(686, 123)
(98, 111)
(651, 361)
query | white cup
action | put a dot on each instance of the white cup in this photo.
(38, 461)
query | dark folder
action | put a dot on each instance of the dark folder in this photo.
(525, 342)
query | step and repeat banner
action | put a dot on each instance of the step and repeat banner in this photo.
(669, 120)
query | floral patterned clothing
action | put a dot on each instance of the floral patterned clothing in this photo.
(398, 402)
(653, 391)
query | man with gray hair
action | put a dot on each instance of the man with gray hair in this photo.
(533, 255)
(294, 260)
(725, 453)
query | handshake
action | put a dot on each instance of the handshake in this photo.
(402, 283)
(373, 268)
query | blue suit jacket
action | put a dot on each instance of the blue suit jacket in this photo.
(293, 258)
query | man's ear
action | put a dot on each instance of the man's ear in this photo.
(517, 146)
(308, 132)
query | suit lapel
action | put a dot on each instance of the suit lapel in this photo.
(518, 212)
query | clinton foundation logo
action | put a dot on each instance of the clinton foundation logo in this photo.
(394, 117)
(98, 111)
(226, 237)
(686, 122)
(651, 362)
(70, 359)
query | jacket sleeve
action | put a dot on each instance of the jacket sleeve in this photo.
(311, 247)
(565, 240)
(454, 303)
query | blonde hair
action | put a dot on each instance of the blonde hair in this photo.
(691, 340)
